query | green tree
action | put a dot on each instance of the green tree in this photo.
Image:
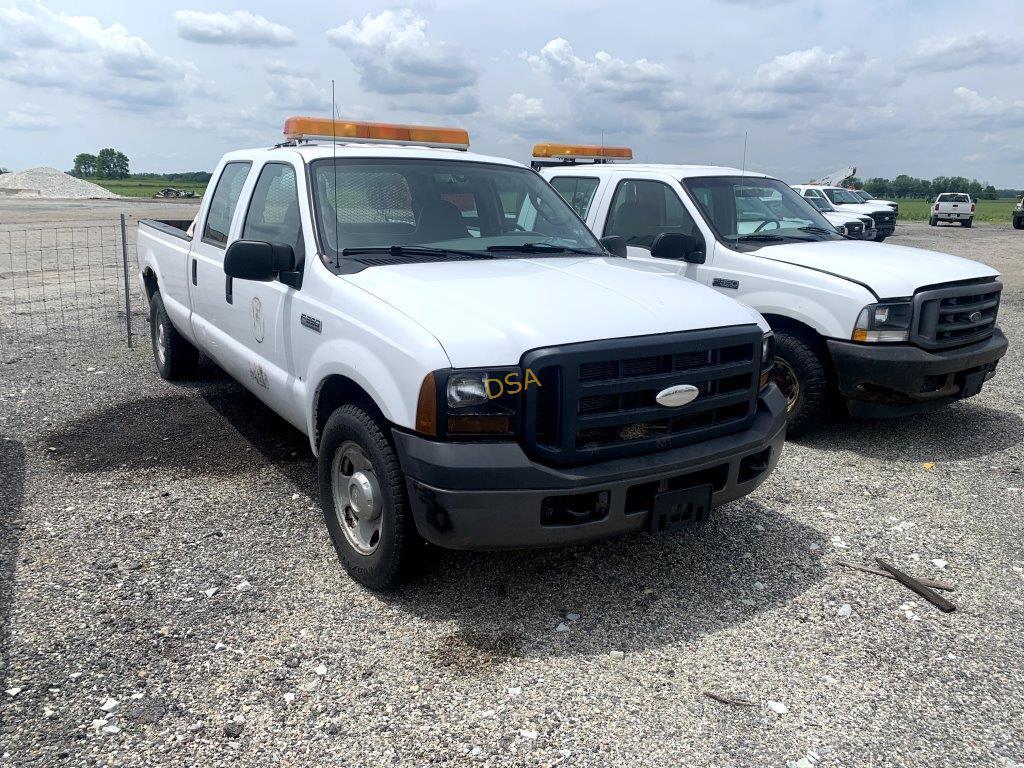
(85, 164)
(111, 164)
(852, 181)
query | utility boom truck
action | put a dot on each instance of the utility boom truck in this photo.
(879, 330)
(473, 368)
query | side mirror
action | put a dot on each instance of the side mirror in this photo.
(677, 246)
(258, 260)
(615, 245)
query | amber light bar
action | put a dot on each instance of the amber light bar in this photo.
(582, 151)
(391, 133)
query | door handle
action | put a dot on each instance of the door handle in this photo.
(228, 290)
(194, 277)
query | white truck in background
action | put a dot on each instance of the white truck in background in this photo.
(954, 207)
(846, 201)
(867, 197)
(878, 330)
(854, 226)
(472, 367)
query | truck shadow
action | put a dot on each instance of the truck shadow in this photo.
(961, 431)
(628, 594)
(184, 434)
(12, 495)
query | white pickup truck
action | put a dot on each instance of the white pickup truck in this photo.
(854, 226)
(882, 330)
(848, 202)
(867, 197)
(956, 207)
(464, 377)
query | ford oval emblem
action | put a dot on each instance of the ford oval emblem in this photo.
(974, 317)
(680, 394)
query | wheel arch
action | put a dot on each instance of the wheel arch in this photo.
(784, 324)
(332, 392)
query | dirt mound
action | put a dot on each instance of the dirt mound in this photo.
(49, 182)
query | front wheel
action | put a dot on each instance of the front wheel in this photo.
(880, 238)
(362, 493)
(1018, 223)
(801, 375)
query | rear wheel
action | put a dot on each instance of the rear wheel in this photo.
(966, 223)
(175, 357)
(932, 221)
(801, 375)
(362, 492)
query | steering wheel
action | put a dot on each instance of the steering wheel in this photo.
(765, 223)
(516, 227)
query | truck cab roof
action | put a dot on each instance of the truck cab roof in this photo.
(681, 171)
(309, 151)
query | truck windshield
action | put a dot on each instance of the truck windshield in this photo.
(462, 208)
(842, 196)
(751, 212)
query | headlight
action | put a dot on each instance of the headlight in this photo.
(472, 403)
(767, 358)
(841, 229)
(884, 322)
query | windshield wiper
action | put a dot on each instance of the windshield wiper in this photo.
(762, 237)
(411, 250)
(540, 248)
(818, 230)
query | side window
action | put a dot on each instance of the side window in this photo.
(641, 210)
(273, 214)
(223, 203)
(577, 191)
(812, 193)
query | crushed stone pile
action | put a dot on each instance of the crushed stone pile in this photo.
(49, 182)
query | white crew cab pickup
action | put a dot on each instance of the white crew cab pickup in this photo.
(464, 377)
(854, 226)
(883, 330)
(954, 207)
(848, 202)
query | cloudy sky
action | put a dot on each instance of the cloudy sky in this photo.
(892, 86)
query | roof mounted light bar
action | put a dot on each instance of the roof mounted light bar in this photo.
(323, 128)
(547, 154)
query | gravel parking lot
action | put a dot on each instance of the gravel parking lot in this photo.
(169, 596)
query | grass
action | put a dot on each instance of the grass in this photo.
(146, 187)
(988, 210)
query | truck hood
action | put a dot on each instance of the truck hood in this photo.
(867, 208)
(891, 271)
(491, 312)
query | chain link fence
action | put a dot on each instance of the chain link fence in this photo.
(67, 283)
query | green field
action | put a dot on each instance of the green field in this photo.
(146, 187)
(988, 210)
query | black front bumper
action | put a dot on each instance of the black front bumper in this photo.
(493, 496)
(880, 381)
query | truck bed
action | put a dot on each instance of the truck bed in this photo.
(173, 227)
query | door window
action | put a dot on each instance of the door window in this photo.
(641, 210)
(273, 214)
(224, 202)
(578, 191)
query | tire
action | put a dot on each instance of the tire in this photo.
(174, 355)
(880, 238)
(966, 223)
(384, 560)
(803, 378)
(1018, 223)
(932, 221)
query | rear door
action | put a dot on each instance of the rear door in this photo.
(206, 261)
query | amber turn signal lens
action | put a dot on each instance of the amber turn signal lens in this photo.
(325, 128)
(426, 407)
(860, 335)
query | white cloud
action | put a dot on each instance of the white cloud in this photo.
(77, 54)
(29, 117)
(293, 91)
(527, 117)
(988, 112)
(395, 58)
(604, 75)
(234, 28)
(974, 157)
(948, 54)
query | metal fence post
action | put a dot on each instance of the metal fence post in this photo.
(127, 292)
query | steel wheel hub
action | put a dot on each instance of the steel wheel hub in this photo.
(785, 377)
(161, 341)
(357, 497)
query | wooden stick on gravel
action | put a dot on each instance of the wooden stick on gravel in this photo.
(943, 585)
(728, 699)
(911, 583)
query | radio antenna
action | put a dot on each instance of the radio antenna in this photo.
(334, 163)
(743, 168)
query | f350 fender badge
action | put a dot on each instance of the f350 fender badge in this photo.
(721, 282)
(313, 323)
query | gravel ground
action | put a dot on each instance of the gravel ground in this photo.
(169, 596)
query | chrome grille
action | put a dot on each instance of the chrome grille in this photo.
(598, 398)
(955, 315)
